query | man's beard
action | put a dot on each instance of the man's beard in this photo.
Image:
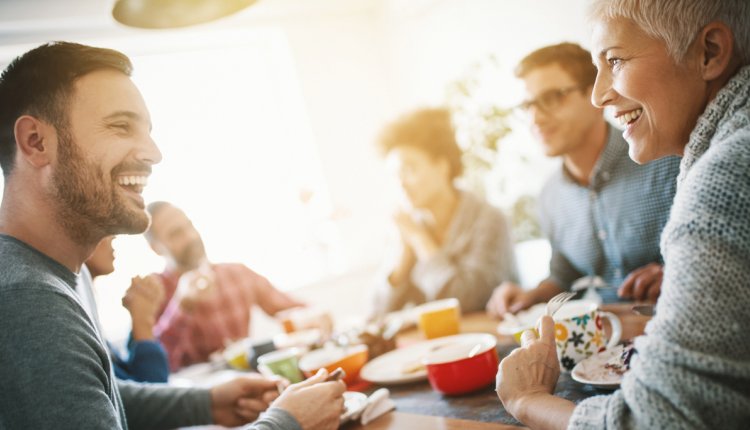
(88, 206)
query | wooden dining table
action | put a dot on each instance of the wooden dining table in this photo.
(420, 407)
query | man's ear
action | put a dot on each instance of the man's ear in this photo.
(716, 43)
(35, 140)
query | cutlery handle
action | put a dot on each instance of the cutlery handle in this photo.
(336, 375)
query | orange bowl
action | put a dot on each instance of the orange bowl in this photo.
(350, 358)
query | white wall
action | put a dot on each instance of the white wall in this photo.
(341, 63)
(433, 42)
(359, 70)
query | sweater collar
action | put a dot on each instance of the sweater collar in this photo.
(730, 99)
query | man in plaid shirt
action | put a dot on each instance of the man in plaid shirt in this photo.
(207, 305)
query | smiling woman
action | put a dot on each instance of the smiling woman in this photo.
(647, 89)
(683, 88)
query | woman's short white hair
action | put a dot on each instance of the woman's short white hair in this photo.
(677, 22)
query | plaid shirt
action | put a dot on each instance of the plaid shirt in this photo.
(611, 227)
(223, 315)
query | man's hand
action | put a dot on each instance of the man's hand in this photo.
(314, 403)
(194, 286)
(643, 283)
(241, 400)
(529, 371)
(143, 299)
(509, 298)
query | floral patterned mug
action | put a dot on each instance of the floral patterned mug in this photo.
(579, 334)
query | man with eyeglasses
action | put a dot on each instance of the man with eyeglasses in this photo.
(602, 213)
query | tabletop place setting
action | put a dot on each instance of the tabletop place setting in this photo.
(431, 352)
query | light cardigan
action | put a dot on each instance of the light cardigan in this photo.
(692, 370)
(476, 257)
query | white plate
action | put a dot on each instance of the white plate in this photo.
(592, 371)
(202, 375)
(301, 338)
(389, 368)
(354, 403)
(523, 320)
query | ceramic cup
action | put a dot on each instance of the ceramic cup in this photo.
(258, 348)
(236, 355)
(579, 334)
(284, 362)
(439, 318)
(304, 318)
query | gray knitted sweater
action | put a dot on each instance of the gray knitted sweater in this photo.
(692, 370)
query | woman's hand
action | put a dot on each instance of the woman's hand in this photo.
(529, 372)
(416, 236)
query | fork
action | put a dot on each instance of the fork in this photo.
(555, 303)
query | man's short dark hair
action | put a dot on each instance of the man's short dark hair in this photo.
(571, 57)
(40, 83)
(430, 130)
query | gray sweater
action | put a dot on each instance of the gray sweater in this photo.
(692, 370)
(476, 257)
(55, 371)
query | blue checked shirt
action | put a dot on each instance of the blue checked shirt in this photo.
(611, 227)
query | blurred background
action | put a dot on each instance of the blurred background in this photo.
(267, 119)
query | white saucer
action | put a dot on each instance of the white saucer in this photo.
(591, 370)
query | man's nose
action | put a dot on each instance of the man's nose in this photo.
(148, 152)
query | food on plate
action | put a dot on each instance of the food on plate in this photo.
(412, 367)
(606, 368)
(620, 363)
(376, 342)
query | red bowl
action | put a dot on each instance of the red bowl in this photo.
(463, 366)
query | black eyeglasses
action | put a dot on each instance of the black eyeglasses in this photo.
(548, 100)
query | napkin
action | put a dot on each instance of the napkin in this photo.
(378, 404)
